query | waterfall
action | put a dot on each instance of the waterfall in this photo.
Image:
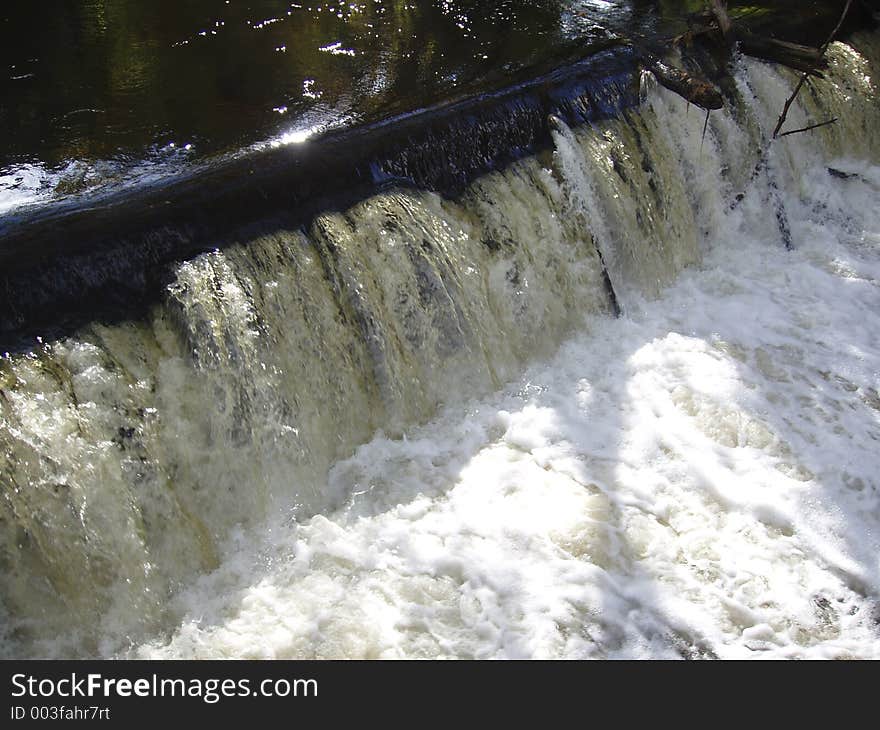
(137, 453)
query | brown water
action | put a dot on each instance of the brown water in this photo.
(97, 78)
(95, 90)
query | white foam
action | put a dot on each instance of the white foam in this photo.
(696, 479)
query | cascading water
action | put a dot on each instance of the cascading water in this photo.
(298, 452)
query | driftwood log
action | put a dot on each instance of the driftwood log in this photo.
(794, 55)
(716, 26)
(716, 22)
(696, 90)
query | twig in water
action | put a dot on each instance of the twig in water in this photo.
(703, 136)
(812, 126)
(788, 103)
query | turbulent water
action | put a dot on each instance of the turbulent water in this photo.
(415, 428)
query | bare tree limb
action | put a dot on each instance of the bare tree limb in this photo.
(812, 126)
(788, 103)
(834, 32)
(822, 49)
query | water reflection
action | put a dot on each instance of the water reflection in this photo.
(93, 78)
(135, 82)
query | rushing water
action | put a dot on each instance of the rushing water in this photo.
(321, 441)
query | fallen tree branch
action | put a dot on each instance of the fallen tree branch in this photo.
(822, 49)
(715, 20)
(788, 103)
(806, 59)
(812, 126)
(692, 88)
(837, 27)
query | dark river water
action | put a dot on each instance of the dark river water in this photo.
(97, 91)
(95, 88)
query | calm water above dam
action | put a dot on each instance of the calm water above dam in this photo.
(99, 91)
(94, 79)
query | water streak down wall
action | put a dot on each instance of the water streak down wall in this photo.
(131, 447)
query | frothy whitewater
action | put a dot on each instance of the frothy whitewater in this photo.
(697, 478)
